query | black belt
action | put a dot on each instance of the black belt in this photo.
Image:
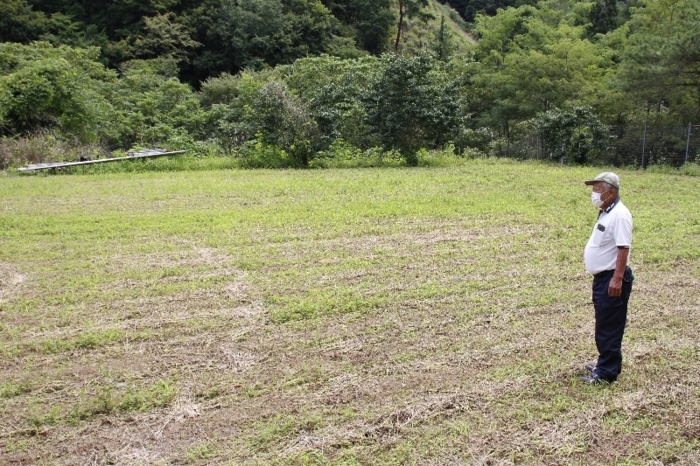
(603, 273)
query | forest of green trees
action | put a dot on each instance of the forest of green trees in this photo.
(287, 82)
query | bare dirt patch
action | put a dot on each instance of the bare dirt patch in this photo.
(11, 281)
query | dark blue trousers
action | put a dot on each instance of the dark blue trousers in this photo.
(610, 320)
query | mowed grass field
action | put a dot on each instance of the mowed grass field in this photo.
(430, 316)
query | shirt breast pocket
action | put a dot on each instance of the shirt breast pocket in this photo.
(599, 236)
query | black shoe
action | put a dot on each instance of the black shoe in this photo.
(590, 367)
(594, 379)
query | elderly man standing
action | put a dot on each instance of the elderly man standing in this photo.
(606, 257)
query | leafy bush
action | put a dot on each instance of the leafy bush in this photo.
(228, 103)
(332, 90)
(576, 134)
(413, 104)
(152, 108)
(478, 138)
(254, 108)
(284, 121)
(43, 87)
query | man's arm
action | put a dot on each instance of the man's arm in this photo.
(615, 288)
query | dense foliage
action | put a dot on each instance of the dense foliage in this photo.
(206, 37)
(282, 82)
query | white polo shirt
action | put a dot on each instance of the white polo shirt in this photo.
(612, 230)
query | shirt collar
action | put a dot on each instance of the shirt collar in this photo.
(609, 208)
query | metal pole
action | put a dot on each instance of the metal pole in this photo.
(644, 142)
(687, 144)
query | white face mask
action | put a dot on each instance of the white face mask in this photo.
(596, 200)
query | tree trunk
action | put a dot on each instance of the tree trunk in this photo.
(402, 13)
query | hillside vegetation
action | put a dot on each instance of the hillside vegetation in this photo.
(288, 82)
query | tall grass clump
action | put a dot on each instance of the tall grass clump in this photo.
(688, 169)
(45, 147)
(342, 154)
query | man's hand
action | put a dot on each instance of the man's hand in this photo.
(615, 287)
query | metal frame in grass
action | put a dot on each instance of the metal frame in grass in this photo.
(151, 153)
